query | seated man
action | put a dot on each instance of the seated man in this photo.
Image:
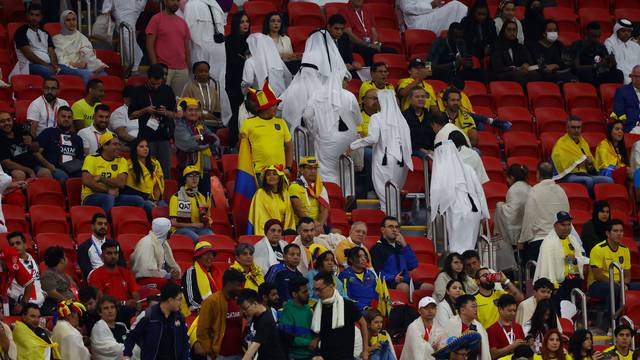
(104, 175)
(487, 295)
(601, 256)
(361, 29)
(61, 147)
(357, 234)
(152, 260)
(89, 252)
(283, 272)
(466, 320)
(592, 61)
(17, 295)
(202, 279)
(309, 198)
(505, 335)
(99, 126)
(542, 290)
(119, 122)
(572, 158)
(117, 281)
(335, 25)
(189, 209)
(66, 334)
(622, 346)
(626, 106)
(35, 50)
(379, 73)
(306, 237)
(422, 134)
(461, 118)
(19, 154)
(450, 58)
(624, 49)
(84, 108)
(418, 73)
(41, 113)
(33, 341)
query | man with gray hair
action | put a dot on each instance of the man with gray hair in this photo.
(357, 234)
(626, 105)
(545, 200)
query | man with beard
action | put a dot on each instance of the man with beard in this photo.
(16, 292)
(270, 298)
(91, 134)
(84, 109)
(295, 321)
(90, 251)
(61, 147)
(487, 295)
(42, 111)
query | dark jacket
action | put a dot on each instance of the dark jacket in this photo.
(148, 332)
(542, 55)
(389, 260)
(478, 36)
(625, 102)
(443, 52)
(422, 135)
(85, 263)
(344, 47)
(502, 62)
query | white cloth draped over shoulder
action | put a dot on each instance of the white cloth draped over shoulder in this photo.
(265, 62)
(627, 53)
(419, 14)
(300, 91)
(415, 346)
(103, 344)
(391, 140)
(551, 259)
(70, 341)
(203, 26)
(264, 257)
(454, 328)
(456, 192)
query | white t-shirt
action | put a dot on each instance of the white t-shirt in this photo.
(90, 136)
(120, 118)
(38, 40)
(40, 111)
(95, 251)
(16, 291)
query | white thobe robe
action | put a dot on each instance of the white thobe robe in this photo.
(471, 158)
(128, 12)
(544, 201)
(627, 54)
(454, 328)
(70, 340)
(418, 14)
(204, 48)
(415, 346)
(508, 223)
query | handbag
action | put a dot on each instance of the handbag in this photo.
(103, 28)
(217, 36)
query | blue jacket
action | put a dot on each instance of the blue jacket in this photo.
(148, 332)
(362, 292)
(390, 260)
(625, 102)
(280, 275)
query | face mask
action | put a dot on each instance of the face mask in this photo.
(552, 36)
(49, 97)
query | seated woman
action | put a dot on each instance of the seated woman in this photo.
(201, 280)
(275, 30)
(74, 50)
(594, 230)
(207, 91)
(581, 345)
(244, 263)
(271, 201)
(510, 60)
(323, 260)
(552, 347)
(453, 269)
(358, 281)
(611, 154)
(547, 52)
(145, 177)
(479, 30)
(55, 281)
(447, 307)
(507, 12)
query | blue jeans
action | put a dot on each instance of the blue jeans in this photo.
(194, 233)
(588, 180)
(106, 201)
(45, 72)
(60, 175)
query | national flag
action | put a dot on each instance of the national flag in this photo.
(246, 184)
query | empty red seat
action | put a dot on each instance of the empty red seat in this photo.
(224, 246)
(220, 222)
(488, 144)
(494, 192)
(113, 86)
(112, 59)
(629, 14)
(544, 94)
(370, 240)
(581, 95)
(423, 247)
(565, 17)
(418, 42)
(551, 119)
(129, 220)
(547, 141)
(72, 87)
(47, 240)
(21, 111)
(336, 198)
(137, 80)
(257, 10)
(593, 139)
(477, 93)
(507, 93)
(593, 4)
(384, 15)
(73, 187)
(616, 195)
(518, 116)
(338, 220)
(425, 273)
(593, 120)
(48, 219)
(229, 166)
(82, 216)
(600, 16)
(372, 217)
(495, 170)
(396, 64)
(578, 196)
(27, 87)
(305, 13)
(391, 39)
(299, 35)
(128, 243)
(15, 218)
(568, 37)
(182, 248)
(45, 192)
(530, 162)
(249, 239)
(333, 8)
(415, 178)
(607, 92)
(518, 143)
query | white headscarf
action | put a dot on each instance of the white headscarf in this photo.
(267, 63)
(298, 94)
(447, 178)
(64, 30)
(613, 38)
(160, 228)
(321, 50)
(394, 130)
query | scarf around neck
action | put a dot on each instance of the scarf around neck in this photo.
(337, 312)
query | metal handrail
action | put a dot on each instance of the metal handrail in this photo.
(583, 306)
(485, 239)
(612, 292)
(123, 25)
(352, 178)
(390, 210)
(301, 131)
(427, 184)
(630, 322)
(527, 266)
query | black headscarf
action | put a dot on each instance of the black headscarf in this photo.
(598, 226)
(533, 24)
(503, 43)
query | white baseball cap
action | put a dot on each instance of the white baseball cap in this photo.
(426, 301)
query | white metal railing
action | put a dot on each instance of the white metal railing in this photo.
(486, 246)
(392, 199)
(614, 265)
(347, 169)
(439, 226)
(583, 306)
(301, 133)
(427, 184)
(527, 267)
(130, 59)
(89, 17)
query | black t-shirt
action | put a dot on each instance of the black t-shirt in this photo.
(278, 250)
(166, 349)
(16, 150)
(58, 147)
(588, 52)
(337, 344)
(266, 334)
(119, 332)
(143, 97)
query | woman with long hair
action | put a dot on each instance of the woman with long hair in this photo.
(274, 28)
(479, 30)
(323, 260)
(507, 13)
(510, 60)
(447, 307)
(611, 154)
(358, 281)
(145, 177)
(453, 269)
(236, 51)
(594, 230)
(271, 201)
(551, 347)
(581, 346)
(544, 318)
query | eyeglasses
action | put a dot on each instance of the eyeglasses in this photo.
(317, 290)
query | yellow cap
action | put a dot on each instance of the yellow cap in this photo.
(189, 170)
(309, 161)
(187, 101)
(105, 138)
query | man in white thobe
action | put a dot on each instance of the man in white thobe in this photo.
(206, 22)
(456, 192)
(128, 12)
(625, 50)
(391, 140)
(265, 62)
(434, 15)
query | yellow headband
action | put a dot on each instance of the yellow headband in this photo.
(185, 102)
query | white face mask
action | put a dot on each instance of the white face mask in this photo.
(552, 36)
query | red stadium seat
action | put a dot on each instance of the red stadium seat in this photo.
(299, 35)
(181, 247)
(548, 140)
(249, 239)
(600, 16)
(417, 42)
(170, 188)
(551, 119)
(494, 192)
(581, 95)
(625, 4)
(593, 120)
(630, 14)
(565, 17)
(72, 87)
(224, 246)
(425, 273)
(438, 85)
(384, 15)
(396, 64)
(415, 178)
(477, 93)
(531, 164)
(518, 143)
(257, 10)
(112, 59)
(52, 28)
(47, 240)
(578, 196)
(593, 139)
(353, 86)
(27, 87)
(333, 8)
(48, 219)
(45, 192)
(21, 110)
(336, 198)
(372, 217)
(370, 240)
(495, 170)
(128, 243)
(390, 38)
(221, 224)
(229, 166)
(632, 305)
(593, 4)
(81, 217)
(568, 37)
(607, 92)
(305, 14)
(160, 211)
(579, 218)
(617, 196)
(73, 187)
(507, 93)
(488, 144)
(338, 220)
(423, 247)
(15, 218)
(544, 94)
(113, 86)
(129, 220)
(518, 116)
(137, 80)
